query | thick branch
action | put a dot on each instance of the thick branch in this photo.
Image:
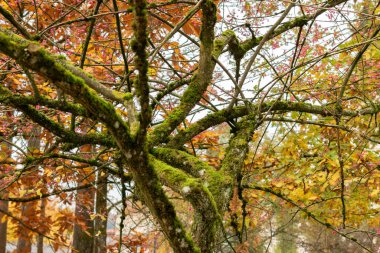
(32, 56)
(64, 106)
(194, 167)
(192, 189)
(139, 44)
(52, 126)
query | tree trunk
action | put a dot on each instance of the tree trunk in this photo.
(24, 242)
(100, 229)
(3, 227)
(4, 206)
(40, 238)
(83, 234)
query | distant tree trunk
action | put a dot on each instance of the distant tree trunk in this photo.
(24, 242)
(83, 236)
(4, 206)
(101, 209)
(40, 238)
(83, 233)
(3, 227)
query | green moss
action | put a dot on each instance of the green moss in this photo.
(214, 180)
(36, 58)
(249, 44)
(172, 176)
(183, 160)
(128, 96)
(61, 57)
(156, 200)
(229, 33)
(152, 5)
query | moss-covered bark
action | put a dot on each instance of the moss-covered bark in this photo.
(57, 129)
(213, 179)
(206, 218)
(6, 97)
(236, 154)
(155, 199)
(139, 44)
(32, 56)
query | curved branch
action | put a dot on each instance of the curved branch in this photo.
(14, 22)
(32, 56)
(221, 116)
(251, 43)
(6, 97)
(57, 129)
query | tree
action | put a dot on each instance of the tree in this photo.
(143, 90)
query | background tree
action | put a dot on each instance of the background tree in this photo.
(207, 118)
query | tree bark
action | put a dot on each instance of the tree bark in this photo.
(3, 227)
(100, 226)
(40, 238)
(83, 235)
(24, 242)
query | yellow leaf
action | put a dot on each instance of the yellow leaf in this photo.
(3, 156)
(334, 179)
(38, 192)
(333, 162)
(4, 219)
(152, 72)
(321, 176)
(374, 193)
(278, 183)
(22, 192)
(297, 193)
(310, 196)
